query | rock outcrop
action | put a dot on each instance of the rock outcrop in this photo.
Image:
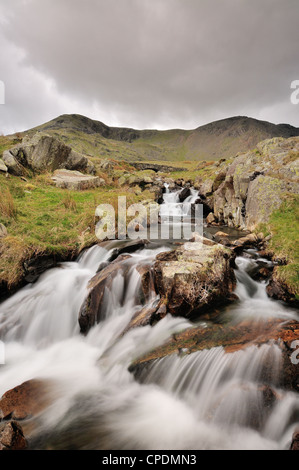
(42, 153)
(255, 183)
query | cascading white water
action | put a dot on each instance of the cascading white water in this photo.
(47, 311)
(172, 207)
(177, 217)
(207, 400)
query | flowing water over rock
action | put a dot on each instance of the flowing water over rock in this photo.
(206, 400)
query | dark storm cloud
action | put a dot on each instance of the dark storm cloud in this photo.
(148, 63)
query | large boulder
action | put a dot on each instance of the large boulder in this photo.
(195, 277)
(43, 152)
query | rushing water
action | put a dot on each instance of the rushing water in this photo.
(207, 400)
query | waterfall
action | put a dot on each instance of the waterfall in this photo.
(206, 400)
(172, 207)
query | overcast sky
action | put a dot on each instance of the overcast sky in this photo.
(148, 63)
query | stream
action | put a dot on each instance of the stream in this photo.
(206, 400)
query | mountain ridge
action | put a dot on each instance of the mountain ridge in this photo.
(219, 139)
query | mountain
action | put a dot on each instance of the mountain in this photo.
(219, 139)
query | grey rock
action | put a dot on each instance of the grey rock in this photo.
(43, 152)
(76, 181)
(3, 167)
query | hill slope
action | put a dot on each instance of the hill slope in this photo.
(219, 139)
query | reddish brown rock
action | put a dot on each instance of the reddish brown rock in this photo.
(90, 312)
(149, 315)
(12, 437)
(234, 338)
(295, 441)
(147, 280)
(25, 400)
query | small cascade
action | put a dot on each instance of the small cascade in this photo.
(172, 207)
(206, 400)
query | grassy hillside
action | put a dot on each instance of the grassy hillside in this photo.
(42, 219)
(220, 139)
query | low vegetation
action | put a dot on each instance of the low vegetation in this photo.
(284, 229)
(42, 219)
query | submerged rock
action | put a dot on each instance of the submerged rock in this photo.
(184, 194)
(90, 312)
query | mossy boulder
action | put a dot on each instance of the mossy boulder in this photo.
(195, 277)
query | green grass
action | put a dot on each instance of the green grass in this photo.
(284, 228)
(42, 219)
(7, 143)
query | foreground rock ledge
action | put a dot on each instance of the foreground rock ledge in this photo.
(233, 338)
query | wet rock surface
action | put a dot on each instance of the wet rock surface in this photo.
(234, 338)
(12, 437)
(90, 312)
(26, 400)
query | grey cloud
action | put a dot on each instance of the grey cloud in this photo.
(149, 63)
